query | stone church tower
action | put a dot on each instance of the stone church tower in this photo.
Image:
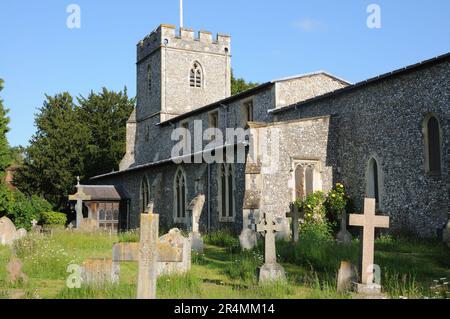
(178, 72)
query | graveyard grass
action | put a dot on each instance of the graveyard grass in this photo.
(409, 268)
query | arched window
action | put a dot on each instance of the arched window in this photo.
(180, 195)
(373, 180)
(433, 144)
(306, 179)
(145, 194)
(226, 193)
(196, 76)
(149, 78)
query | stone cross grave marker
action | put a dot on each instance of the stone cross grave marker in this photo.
(294, 214)
(369, 221)
(271, 270)
(147, 271)
(80, 196)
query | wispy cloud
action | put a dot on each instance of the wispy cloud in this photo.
(309, 25)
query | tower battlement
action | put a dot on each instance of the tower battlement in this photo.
(169, 36)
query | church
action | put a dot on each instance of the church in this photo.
(385, 138)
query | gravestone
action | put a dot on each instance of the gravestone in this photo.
(147, 264)
(98, 271)
(248, 237)
(369, 221)
(344, 237)
(7, 231)
(21, 233)
(88, 225)
(80, 196)
(271, 271)
(35, 228)
(347, 276)
(195, 209)
(294, 214)
(14, 270)
(173, 254)
(446, 234)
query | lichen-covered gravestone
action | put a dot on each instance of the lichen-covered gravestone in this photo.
(173, 254)
(147, 263)
(8, 232)
(98, 272)
(14, 270)
(347, 275)
(271, 271)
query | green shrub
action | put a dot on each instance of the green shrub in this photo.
(312, 208)
(53, 219)
(336, 201)
(20, 208)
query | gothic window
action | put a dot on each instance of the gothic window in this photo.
(433, 144)
(306, 179)
(213, 122)
(247, 113)
(109, 217)
(180, 195)
(373, 180)
(145, 194)
(149, 78)
(196, 76)
(226, 193)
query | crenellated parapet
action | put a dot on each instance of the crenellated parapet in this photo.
(169, 36)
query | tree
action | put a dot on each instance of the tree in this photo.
(105, 114)
(56, 152)
(5, 155)
(239, 85)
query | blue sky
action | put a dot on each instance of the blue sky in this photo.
(270, 39)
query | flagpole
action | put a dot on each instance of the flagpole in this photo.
(181, 13)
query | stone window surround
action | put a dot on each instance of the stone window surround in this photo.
(196, 67)
(317, 181)
(211, 115)
(187, 144)
(425, 122)
(368, 176)
(180, 220)
(144, 181)
(149, 78)
(244, 111)
(229, 169)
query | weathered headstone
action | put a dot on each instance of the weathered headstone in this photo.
(20, 233)
(346, 277)
(294, 215)
(14, 270)
(446, 234)
(147, 271)
(248, 237)
(98, 271)
(88, 225)
(80, 196)
(7, 231)
(369, 221)
(344, 237)
(271, 270)
(35, 228)
(173, 254)
(195, 210)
